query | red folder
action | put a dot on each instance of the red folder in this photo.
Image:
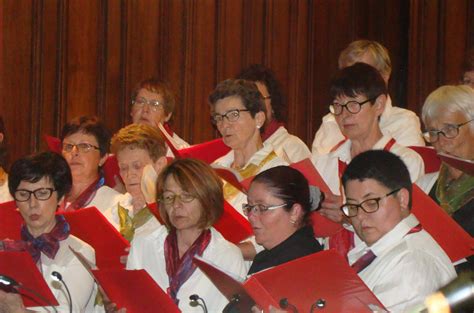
(467, 166)
(10, 221)
(134, 290)
(91, 226)
(53, 143)
(323, 276)
(208, 151)
(21, 267)
(454, 240)
(430, 158)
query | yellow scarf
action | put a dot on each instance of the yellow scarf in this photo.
(250, 170)
(128, 224)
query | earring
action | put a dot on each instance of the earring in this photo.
(292, 222)
(258, 126)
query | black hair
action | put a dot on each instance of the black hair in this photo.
(245, 90)
(382, 166)
(36, 166)
(260, 73)
(90, 125)
(287, 184)
(358, 79)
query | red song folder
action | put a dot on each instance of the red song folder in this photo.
(134, 290)
(10, 221)
(430, 158)
(91, 226)
(323, 277)
(21, 267)
(208, 151)
(467, 166)
(454, 240)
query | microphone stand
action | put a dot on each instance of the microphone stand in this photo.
(58, 277)
(285, 304)
(197, 299)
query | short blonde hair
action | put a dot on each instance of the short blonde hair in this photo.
(200, 180)
(449, 98)
(139, 136)
(356, 49)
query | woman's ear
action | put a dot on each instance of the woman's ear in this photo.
(260, 119)
(403, 197)
(380, 104)
(296, 214)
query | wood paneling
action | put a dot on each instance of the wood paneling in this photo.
(63, 58)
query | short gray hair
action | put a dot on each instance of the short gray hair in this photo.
(449, 99)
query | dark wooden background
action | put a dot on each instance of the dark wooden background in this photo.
(64, 58)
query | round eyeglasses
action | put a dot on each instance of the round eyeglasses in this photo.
(170, 198)
(231, 116)
(140, 103)
(449, 131)
(368, 206)
(258, 209)
(351, 106)
(43, 194)
(81, 147)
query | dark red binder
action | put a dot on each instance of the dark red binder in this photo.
(454, 240)
(430, 158)
(21, 267)
(10, 221)
(467, 166)
(91, 226)
(134, 290)
(324, 276)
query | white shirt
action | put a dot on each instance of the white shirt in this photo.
(79, 281)
(148, 253)
(328, 164)
(427, 181)
(401, 124)
(288, 147)
(257, 158)
(4, 192)
(408, 267)
(125, 201)
(104, 198)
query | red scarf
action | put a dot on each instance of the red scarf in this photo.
(47, 243)
(270, 128)
(179, 270)
(84, 198)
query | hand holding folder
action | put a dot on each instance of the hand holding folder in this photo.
(323, 277)
(91, 226)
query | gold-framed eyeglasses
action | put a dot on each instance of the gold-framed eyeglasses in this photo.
(43, 194)
(140, 103)
(81, 147)
(351, 106)
(368, 206)
(258, 209)
(231, 116)
(450, 131)
(169, 198)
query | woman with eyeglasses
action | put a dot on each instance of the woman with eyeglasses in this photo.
(153, 103)
(85, 142)
(448, 115)
(38, 184)
(359, 94)
(191, 200)
(238, 112)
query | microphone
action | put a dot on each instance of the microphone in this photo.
(233, 303)
(196, 301)
(8, 284)
(58, 277)
(318, 304)
(285, 304)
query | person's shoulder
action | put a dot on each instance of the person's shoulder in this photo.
(220, 245)
(153, 237)
(80, 246)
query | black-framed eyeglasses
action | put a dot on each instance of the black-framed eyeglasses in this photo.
(81, 147)
(351, 106)
(231, 116)
(258, 209)
(368, 206)
(449, 131)
(140, 102)
(169, 198)
(43, 194)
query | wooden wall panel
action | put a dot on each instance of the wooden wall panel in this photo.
(63, 58)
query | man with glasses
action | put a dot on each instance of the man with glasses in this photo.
(398, 260)
(399, 123)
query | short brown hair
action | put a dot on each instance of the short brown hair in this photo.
(356, 49)
(158, 86)
(200, 180)
(139, 136)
